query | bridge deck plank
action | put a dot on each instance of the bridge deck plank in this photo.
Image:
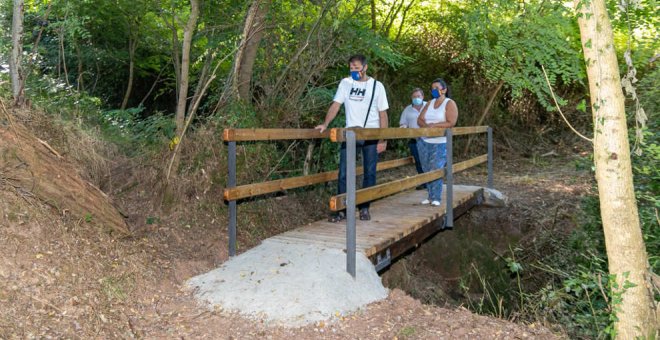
(396, 219)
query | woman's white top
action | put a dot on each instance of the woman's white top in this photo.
(438, 115)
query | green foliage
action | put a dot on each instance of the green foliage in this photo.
(504, 41)
(134, 133)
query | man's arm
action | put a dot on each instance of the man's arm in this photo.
(384, 123)
(402, 120)
(332, 113)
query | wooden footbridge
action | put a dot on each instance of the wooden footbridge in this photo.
(399, 222)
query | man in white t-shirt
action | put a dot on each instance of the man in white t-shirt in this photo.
(365, 103)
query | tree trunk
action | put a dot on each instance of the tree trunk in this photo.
(80, 85)
(246, 56)
(132, 46)
(16, 52)
(185, 66)
(626, 252)
(403, 19)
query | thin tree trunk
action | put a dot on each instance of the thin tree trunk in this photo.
(153, 86)
(16, 52)
(185, 66)
(626, 252)
(491, 100)
(175, 55)
(35, 49)
(79, 81)
(403, 20)
(252, 34)
(132, 46)
(390, 20)
(308, 158)
(66, 73)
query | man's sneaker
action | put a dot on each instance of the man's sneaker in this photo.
(337, 217)
(364, 214)
(435, 203)
(426, 201)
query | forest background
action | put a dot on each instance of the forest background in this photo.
(159, 80)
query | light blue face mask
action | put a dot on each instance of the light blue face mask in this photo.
(417, 101)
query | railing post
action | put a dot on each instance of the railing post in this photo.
(449, 176)
(231, 183)
(490, 157)
(350, 202)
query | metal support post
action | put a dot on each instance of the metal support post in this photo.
(231, 183)
(490, 157)
(350, 202)
(449, 176)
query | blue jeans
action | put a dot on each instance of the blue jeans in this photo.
(433, 157)
(369, 161)
(412, 145)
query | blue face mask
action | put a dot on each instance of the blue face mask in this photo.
(355, 75)
(417, 101)
(435, 93)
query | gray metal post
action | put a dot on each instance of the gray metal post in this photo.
(490, 157)
(231, 183)
(350, 202)
(449, 176)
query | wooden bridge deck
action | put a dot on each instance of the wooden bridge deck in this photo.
(398, 223)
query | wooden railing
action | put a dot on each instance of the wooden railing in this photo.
(233, 192)
(352, 197)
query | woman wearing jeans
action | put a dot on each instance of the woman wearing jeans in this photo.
(441, 112)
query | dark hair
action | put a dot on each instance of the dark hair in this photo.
(358, 57)
(417, 89)
(444, 85)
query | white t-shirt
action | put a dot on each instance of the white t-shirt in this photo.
(409, 116)
(436, 116)
(356, 96)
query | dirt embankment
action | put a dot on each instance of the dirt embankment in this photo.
(63, 277)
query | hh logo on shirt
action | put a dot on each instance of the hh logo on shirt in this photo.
(357, 94)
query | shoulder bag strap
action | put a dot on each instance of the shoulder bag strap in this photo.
(373, 94)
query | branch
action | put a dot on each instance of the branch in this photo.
(559, 109)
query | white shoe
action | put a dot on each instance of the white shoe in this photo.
(426, 201)
(435, 203)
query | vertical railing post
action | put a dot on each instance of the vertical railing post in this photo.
(231, 183)
(490, 157)
(449, 176)
(350, 202)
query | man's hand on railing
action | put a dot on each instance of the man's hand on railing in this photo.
(382, 145)
(321, 128)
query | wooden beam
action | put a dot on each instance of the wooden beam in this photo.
(256, 189)
(338, 134)
(468, 130)
(242, 135)
(338, 202)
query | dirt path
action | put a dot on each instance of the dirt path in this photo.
(59, 278)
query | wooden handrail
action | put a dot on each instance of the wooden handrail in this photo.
(256, 189)
(338, 135)
(338, 202)
(243, 135)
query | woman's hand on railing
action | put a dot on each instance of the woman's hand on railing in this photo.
(321, 128)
